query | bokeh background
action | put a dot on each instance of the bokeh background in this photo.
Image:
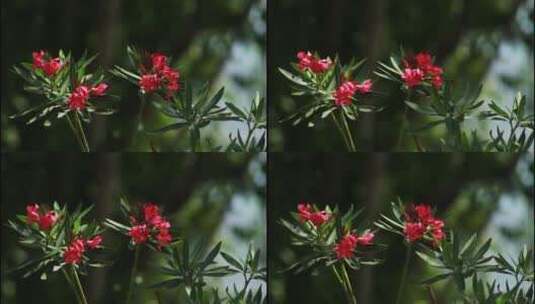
(490, 194)
(476, 41)
(216, 41)
(208, 197)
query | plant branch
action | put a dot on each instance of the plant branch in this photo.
(133, 274)
(79, 286)
(404, 274)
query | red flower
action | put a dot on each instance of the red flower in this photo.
(78, 98)
(139, 234)
(151, 214)
(100, 89)
(412, 77)
(316, 65)
(366, 239)
(425, 213)
(48, 220)
(414, 231)
(365, 87)
(317, 218)
(159, 61)
(94, 242)
(52, 66)
(38, 59)
(437, 82)
(421, 221)
(149, 82)
(424, 60)
(32, 213)
(164, 238)
(74, 252)
(436, 230)
(344, 249)
(344, 94)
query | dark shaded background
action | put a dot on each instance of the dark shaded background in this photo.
(216, 41)
(476, 41)
(205, 196)
(490, 193)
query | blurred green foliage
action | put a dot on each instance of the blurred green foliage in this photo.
(476, 41)
(486, 193)
(206, 197)
(215, 41)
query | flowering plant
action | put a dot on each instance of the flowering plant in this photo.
(63, 240)
(429, 93)
(332, 242)
(191, 109)
(333, 91)
(456, 258)
(186, 267)
(69, 90)
(145, 226)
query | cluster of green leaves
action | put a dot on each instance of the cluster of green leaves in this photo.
(518, 121)
(128, 212)
(320, 241)
(51, 244)
(320, 87)
(195, 109)
(451, 105)
(187, 268)
(255, 120)
(57, 88)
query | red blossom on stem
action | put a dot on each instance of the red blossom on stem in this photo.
(344, 249)
(421, 68)
(74, 252)
(49, 67)
(44, 221)
(159, 75)
(345, 92)
(306, 213)
(94, 242)
(313, 63)
(139, 234)
(79, 97)
(419, 221)
(152, 226)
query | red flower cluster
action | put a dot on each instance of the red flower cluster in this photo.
(344, 249)
(421, 68)
(74, 252)
(344, 93)
(152, 224)
(50, 67)
(313, 63)
(80, 95)
(419, 221)
(45, 221)
(317, 218)
(160, 74)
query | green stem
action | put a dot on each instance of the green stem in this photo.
(79, 286)
(341, 131)
(351, 294)
(403, 128)
(348, 132)
(341, 282)
(133, 274)
(71, 283)
(74, 130)
(140, 126)
(80, 128)
(404, 274)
